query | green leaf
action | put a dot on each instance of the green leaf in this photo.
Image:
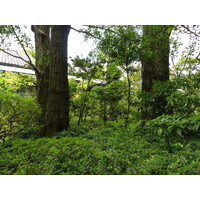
(178, 131)
(160, 131)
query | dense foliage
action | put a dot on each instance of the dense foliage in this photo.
(181, 96)
(107, 132)
(108, 150)
(11, 82)
(18, 115)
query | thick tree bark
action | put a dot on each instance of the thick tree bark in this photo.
(57, 112)
(155, 62)
(42, 61)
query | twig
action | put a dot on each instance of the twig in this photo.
(198, 57)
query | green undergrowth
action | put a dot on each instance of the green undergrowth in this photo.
(106, 150)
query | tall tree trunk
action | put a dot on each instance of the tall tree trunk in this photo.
(128, 99)
(42, 61)
(57, 112)
(155, 62)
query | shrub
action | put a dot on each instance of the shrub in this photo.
(184, 103)
(73, 131)
(116, 125)
(177, 96)
(174, 129)
(17, 114)
(11, 82)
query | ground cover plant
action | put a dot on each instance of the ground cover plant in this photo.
(107, 150)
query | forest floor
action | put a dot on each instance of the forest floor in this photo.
(89, 149)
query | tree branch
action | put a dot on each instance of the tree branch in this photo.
(103, 28)
(187, 28)
(14, 55)
(198, 57)
(85, 32)
(32, 65)
(30, 61)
